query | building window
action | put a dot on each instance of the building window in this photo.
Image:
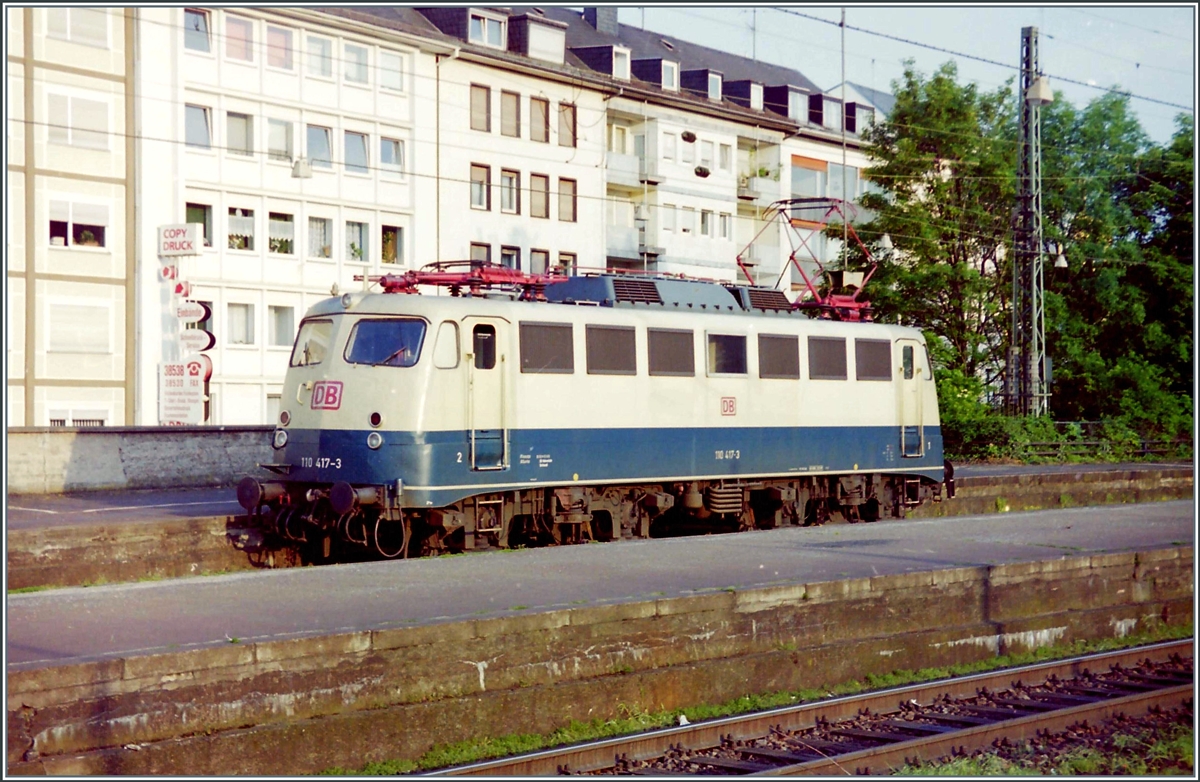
(481, 108)
(688, 154)
(566, 200)
(239, 39)
(839, 175)
(391, 243)
(356, 152)
(714, 87)
(668, 217)
(201, 213)
(487, 31)
(195, 30)
(756, 97)
(320, 57)
(481, 187)
(279, 47)
(687, 220)
(281, 233)
(567, 263)
(78, 225)
(77, 122)
(391, 71)
(726, 157)
(510, 257)
(320, 237)
(391, 156)
(280, 326)
(797, 106)
(481, 252)
(618, 139)
(239, 323)
(239, 133)
(510, 192)
(241, 229)
(832, 114)
(620, 64)
(706, 222)
(706, 154)
(539, 261)
(319, 152)
(279, 140)
(808, 178)
(725, 220)
(78, 328)
(357, 249)
(668, 146)
(356, 63)
(566, 125)
(510, 114)
(539, 120)
(539, 195)
(670, 76)
(88, 26)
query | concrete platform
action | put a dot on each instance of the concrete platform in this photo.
(298, 670)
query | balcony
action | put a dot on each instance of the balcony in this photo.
(622, 241)
(623, 170)
(648, 172)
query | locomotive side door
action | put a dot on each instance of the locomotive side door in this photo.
(486, 392)
(910, 377)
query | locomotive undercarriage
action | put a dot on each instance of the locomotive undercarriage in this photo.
(342, 523)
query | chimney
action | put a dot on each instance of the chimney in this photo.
(603, 19)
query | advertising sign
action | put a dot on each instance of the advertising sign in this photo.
(181, 239)
(181, 392)
(196, 340)
(192, 311)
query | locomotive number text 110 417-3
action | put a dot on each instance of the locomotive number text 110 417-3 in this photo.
(321, 462)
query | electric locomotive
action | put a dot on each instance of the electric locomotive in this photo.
(526, 410)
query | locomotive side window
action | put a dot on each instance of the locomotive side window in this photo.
(445, 349)
(312, 343)
(778, 356)
(826, 358)
(547, 348)
(672, 352)
(610, 350)
(484, 345)
(392, 342)
(925, 363)
(873, 359)
(726, 354)
(906, 356)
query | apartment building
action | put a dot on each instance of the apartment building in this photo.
(69, 314)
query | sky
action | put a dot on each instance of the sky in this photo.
(1147, 50)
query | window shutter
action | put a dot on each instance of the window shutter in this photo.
(60, 211)
(90, 214)
(56, 111)
(89, 26)
(89, 121)
(78, 328)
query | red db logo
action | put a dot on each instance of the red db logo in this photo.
(327, 395)
(728, 405)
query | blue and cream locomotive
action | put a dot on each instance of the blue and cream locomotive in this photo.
(592, 407)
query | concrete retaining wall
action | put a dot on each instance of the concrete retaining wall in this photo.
(44, 460)
(300, 706)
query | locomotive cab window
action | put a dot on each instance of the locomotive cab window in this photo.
(547, 348)
(778, 356)
(484, 346)
(610, 350)
(826, 358)
(312, 343)
(672, 352)
(925, 363)
(726, 354)
(445, 349)
(391, 342)
(872, 359)
(906, 356)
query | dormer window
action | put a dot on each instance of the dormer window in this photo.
(670, 76)
(488, 31)
(797, 106)
(620, 64)
(714, 86)
(756, 96)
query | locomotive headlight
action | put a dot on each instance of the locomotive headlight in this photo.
(285, 418)
(280, 439)
(374, 440)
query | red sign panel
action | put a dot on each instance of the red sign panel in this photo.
(327, 395)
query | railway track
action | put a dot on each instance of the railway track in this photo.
(884, 729)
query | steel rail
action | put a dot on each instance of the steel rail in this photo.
(601, 754)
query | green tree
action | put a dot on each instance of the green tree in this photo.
(944, 161)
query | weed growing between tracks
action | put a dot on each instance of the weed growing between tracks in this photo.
(635, 721)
